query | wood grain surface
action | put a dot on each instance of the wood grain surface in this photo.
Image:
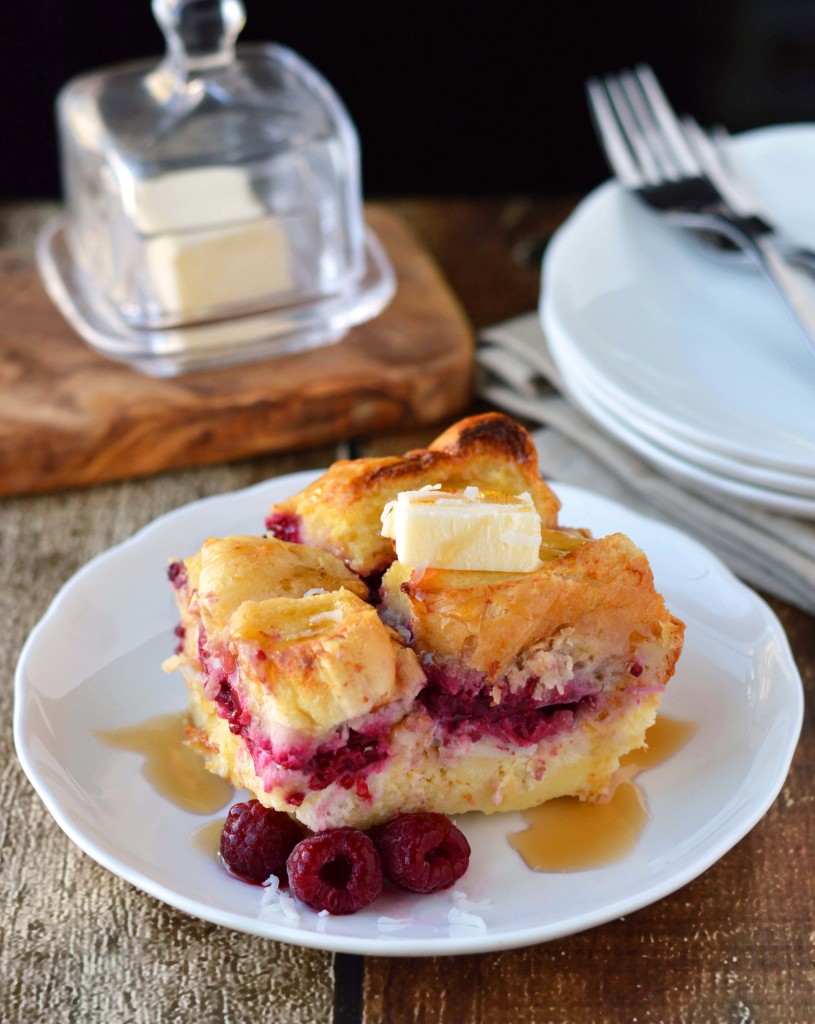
(78, 944)
(68, 416)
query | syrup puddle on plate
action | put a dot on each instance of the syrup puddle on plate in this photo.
(170, 766)
(568, 834)
(565, 834)
(207, 839)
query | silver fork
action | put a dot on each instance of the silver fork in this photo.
(650, 153)
(714, 150)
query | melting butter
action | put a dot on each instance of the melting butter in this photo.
(468, 530)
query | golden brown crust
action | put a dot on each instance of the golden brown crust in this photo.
(603, 588)
(305, 661)
(227, 572)
(325, 660)
(341, 511)
(492, 435)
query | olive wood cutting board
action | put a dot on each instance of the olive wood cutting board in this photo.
(68, 416)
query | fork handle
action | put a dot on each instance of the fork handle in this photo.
(797, 255)
(793, 284)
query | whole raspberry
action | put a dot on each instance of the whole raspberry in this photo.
(256, 841)
(338, 871)
(422, 852)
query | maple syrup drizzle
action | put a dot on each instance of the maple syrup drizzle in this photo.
(172, 768)
(568, 834)
(207, 838)
(665, 738)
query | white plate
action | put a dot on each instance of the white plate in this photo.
(589, 397)
(701, 346)
(667, 440)
(93, 662)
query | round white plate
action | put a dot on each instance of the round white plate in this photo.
(669, 441)
(93, 662)
(697, 343)
(591, 399)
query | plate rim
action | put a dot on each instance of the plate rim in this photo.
(692, 474)
(428, 946)
(729, 466)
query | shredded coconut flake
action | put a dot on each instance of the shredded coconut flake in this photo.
(463, 901)
(289, 909)
(386, 512)
(335, 615)
(392, 924)
(462, 918)
(418, 575)
(403, 632)
(276, 901)
(471, 493)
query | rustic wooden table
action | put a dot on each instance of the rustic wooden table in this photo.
(734, 946)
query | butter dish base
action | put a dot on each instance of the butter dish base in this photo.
(170, 352)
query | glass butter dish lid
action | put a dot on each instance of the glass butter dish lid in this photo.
(213, 205)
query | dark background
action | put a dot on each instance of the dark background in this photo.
(450, 97)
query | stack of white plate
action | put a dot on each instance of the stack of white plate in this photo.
(686, 355)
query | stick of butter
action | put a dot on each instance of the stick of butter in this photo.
(479, 531)
(227, 267)
(209, 241)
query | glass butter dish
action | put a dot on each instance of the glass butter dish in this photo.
(213, 204)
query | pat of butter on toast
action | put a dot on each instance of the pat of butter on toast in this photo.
(470, 530)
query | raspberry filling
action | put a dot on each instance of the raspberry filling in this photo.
(373, 581)
(284, 526)
(346, 762)
(360, 755)
(177, 575)
(519, 717)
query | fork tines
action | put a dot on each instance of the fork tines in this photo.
(642, 137)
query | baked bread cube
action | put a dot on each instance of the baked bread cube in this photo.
(537, 683)
(294, 680)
